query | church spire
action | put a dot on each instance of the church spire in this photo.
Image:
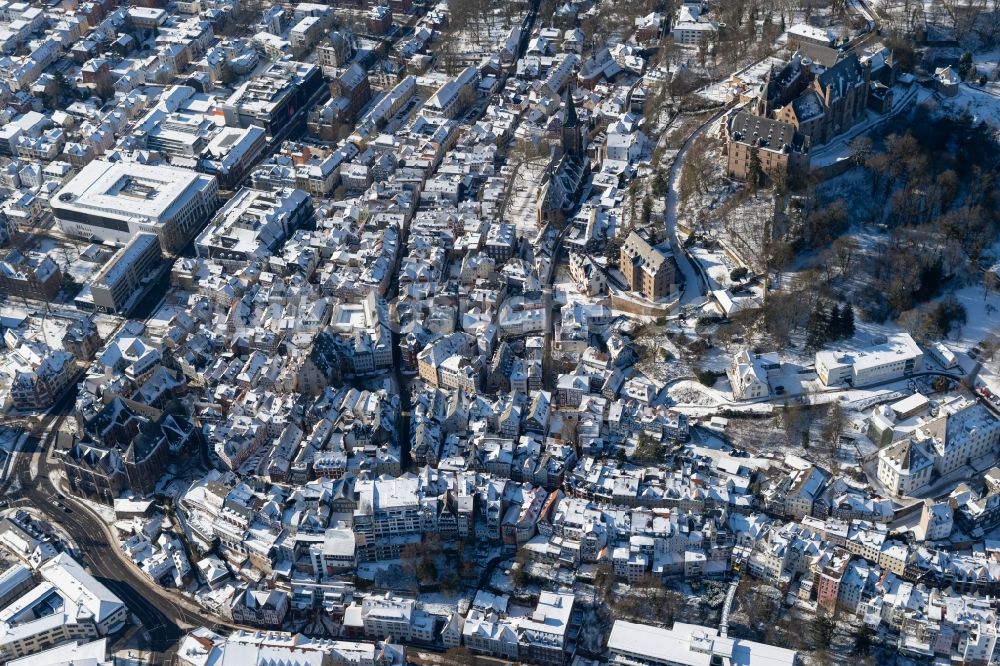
(572, 139)
(571, 119)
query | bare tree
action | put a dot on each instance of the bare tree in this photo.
(962, 14)
(846, 249)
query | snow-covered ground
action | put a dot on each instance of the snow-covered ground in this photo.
(722, 91)
(521, 211)
(982, 105)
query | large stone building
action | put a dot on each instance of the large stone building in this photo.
(818, 101)
(805, 103)
(780, 150)
(961, 431)
(566, 176)
(646, 269)
(30, 275)
(123, 449)
(834, 101)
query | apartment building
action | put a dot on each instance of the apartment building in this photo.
(543, 635)
(384, 616)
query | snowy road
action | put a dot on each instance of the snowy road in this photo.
(693, 287)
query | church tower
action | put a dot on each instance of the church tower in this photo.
(572, 138)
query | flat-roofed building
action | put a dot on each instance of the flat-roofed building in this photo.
(803, 33)
(634, 644)
(118, 286)
(897, 358)
(14, 581)
(277, 100)
(253, 224)
(232, 153)
(77, 653)
(336, 553)
(306, 33)
(69, 604)
(146, 18)
(543, 635)
(114, 201)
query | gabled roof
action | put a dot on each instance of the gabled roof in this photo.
(845, 74)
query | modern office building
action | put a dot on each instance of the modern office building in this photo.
(253, 225)
(688, 645)
(898, 357)
(278, 100)
(114, 201)
(120, 283)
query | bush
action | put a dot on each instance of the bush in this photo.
(938, 320)
(698, 347)
(738, 273)
(707, 377)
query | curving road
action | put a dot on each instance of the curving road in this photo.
(164, 615)
(163, 621)
(684, 261)
(694, 287)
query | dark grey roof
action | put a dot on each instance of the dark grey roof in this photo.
(765, 132)
(845, 74)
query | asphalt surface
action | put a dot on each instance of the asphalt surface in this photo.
(161, 619)
(164, 620)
